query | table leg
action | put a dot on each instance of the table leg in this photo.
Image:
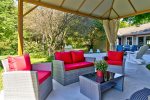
(119, 84)
(90, 88)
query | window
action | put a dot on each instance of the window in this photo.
(140, 41)
(148, 40)
(129, 40)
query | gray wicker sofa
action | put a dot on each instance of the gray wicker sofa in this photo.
(25, 85)
(66, 76)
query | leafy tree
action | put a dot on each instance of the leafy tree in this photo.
(8, 20)
(97, 32)
(84, 32)
(124, 24)
(48, 29)
(138, 19)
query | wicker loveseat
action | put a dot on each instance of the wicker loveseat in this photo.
(26, 81)
(68, 66)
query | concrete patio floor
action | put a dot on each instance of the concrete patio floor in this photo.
(137, 77)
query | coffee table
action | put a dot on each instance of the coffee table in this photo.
(93, 86)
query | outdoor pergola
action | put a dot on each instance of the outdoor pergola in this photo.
(110, 11)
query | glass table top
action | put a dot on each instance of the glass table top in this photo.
(107, 77)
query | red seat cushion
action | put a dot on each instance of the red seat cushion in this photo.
(64, 56)
(77, 56)
(115, 55)
(78, 65)
(19, 63)
(43, 75)
(119, 63)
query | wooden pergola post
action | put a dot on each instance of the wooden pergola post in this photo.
(20, 27)
(107, 45)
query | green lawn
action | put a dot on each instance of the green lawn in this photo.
(33, 60)
(1, 85)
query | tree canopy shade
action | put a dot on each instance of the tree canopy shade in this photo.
(8, 25)
(138, 19)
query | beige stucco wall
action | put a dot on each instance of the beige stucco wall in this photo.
(134, 40)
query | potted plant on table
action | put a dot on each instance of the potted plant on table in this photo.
(101, 67)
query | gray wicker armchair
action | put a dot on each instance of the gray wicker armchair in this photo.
(66, 77)
(117, 66)
(24, 85)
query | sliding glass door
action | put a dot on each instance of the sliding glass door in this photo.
(129, 40)
(148, 40)
(141, 41)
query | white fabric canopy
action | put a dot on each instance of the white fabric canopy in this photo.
(101, 9)
(111, 29)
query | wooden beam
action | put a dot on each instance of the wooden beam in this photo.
(96, 7)
(111, 8)
(20, 27)
(116, 12)
(62, 3)
(105, 12)
(132, 6)
(60, 8)
(81, 5)
(29, 11)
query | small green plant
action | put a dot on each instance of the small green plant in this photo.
(148, 66)
(101, 65)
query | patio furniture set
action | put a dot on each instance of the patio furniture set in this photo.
(136, 57)
(127, 48)
(22, 79)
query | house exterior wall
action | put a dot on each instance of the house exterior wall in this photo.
(134, 39)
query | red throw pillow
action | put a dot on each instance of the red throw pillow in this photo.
(115, 55)
(64, 56)
(19, 63)
(77, 56)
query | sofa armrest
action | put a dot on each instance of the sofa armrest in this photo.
(18, 84)
(90, 59)
(42, 67)
(58, 65)
(124, 61)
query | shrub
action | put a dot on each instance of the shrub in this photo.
(38, 55)
(50, 58)
(148, 66)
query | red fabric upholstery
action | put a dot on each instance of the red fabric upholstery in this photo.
(57, 55)
(78, 65)
(64, 56)
(115, 55)
(19, 63)
(115, 62)
(115, 58)
(43, 75)
(77, 56)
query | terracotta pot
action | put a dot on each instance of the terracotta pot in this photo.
(100, 73)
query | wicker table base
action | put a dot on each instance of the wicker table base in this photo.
(93, 89)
